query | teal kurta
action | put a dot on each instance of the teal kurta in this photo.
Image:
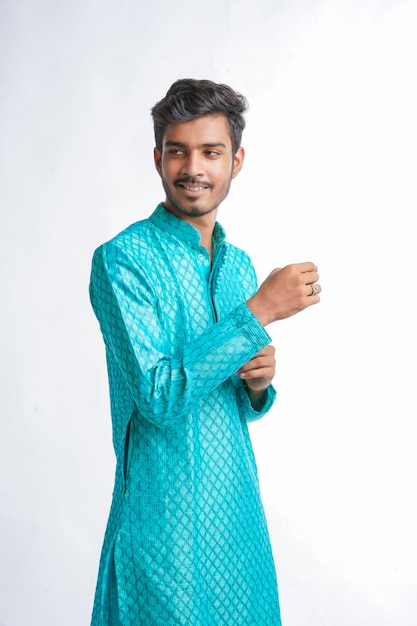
(186, 541)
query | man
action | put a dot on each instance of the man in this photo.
(189, 365)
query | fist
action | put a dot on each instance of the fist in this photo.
(285, 292)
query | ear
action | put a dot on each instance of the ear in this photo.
(157, 160)
(238, 162)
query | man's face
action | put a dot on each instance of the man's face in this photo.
(197, 165)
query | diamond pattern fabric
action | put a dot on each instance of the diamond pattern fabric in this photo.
(186, 542)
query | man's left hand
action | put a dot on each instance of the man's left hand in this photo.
(259, 371)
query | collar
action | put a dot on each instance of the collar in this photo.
(183, 230)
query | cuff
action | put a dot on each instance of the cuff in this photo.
(250, 413)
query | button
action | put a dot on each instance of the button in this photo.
(200, 256)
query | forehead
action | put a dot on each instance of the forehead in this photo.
(209, 129)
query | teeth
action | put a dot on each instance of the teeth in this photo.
(193, 187)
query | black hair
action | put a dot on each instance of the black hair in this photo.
(188, 99)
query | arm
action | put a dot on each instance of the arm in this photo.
(285, 292)
(164, 386)
(257, 374)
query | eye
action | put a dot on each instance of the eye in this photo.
(175, 152)
(212, 154)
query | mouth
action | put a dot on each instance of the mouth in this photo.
(192, 187)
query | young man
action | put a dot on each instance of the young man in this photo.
(189, 366)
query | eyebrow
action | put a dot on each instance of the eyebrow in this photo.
(180, 144)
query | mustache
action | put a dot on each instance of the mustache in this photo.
(189, 180)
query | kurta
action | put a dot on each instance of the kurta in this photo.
(186, 541)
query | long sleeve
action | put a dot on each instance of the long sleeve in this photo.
(245, 407)
(186, 512)
(164, 385)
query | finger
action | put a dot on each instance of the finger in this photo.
(267, 352)
(305, 267)
(258, 362)
(310, 277)
(313, 289)
(260, 372)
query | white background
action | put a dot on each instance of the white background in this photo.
(330, 176)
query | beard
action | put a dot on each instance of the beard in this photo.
(194, 207)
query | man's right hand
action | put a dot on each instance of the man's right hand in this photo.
(285, 292)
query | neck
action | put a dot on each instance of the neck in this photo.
(203, 223)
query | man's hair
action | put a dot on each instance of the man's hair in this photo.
(188, 99)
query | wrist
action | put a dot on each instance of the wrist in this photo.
(259, 310)
(257, 397)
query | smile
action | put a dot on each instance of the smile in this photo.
(194, 188)
(191, 187)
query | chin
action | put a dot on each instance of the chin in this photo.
(196, 212)
(193, 211)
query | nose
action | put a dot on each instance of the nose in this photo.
(193, 164)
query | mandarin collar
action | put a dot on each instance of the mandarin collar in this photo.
(183, 230)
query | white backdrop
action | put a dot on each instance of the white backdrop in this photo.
(330, 176)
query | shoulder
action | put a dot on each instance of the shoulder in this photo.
(124, 263)
(132, 242)
(237, 256)
(132, 236)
